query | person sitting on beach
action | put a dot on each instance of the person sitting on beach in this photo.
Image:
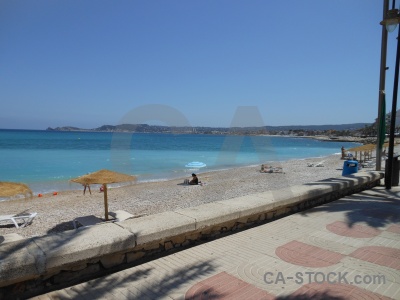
(194, 181)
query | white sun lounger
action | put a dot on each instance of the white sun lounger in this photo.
(368, 164)
(25, 219)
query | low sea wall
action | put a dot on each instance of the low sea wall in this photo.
(36, 265)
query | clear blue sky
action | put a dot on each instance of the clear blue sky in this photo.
(90, 62)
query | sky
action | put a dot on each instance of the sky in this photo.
(219, 63)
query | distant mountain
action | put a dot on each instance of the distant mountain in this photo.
(339, 127)
(164, 129)
(65, 128)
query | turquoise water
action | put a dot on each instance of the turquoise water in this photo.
(47, 160)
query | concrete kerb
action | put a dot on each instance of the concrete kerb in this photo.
(249, 205)
(159, 226)
(31, 258)
(20, 261)
(40, 257)
(86, 243)
(210, 214)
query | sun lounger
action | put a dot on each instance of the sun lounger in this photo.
(120, 215)
(368, 164)
(24, 218)
(86, 221)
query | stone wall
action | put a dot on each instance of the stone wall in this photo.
(36, 265)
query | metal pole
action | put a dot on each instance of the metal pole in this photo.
(393, 116)
(381, 86)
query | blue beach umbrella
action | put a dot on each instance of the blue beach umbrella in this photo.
(195, 165)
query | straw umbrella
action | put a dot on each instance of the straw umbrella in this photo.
(104, 177)
(356, 149)
(11, 189)
(364, 148)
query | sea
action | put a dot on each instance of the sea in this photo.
(47, 160)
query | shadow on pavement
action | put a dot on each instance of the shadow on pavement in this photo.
(376, 207)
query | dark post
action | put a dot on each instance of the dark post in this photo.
(389, 173)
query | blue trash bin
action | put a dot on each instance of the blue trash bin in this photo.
(350, 167)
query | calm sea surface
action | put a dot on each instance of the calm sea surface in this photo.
(46, 160)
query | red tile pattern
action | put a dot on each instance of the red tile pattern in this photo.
(225, 286)
(394, 228)
(355, 231)
(301, 254)
(337, 291)
(383, 256)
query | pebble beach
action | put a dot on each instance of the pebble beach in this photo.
(56, 212)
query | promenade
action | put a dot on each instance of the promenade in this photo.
(346, 249)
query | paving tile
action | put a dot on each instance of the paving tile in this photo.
(59, 295)
(125, 293)
(325, 240)
(384, 256)
(386, 241)
(236, 265)
(361, 267)
(76, 293)
(225, 286)
(349, 241)
(355, 231)
(270, 274)
(143, 290)
(338, 291)
(392, 290)
(41, 297)
(394, 228)
(302, 254)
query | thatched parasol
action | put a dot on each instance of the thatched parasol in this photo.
(10, 189)
(367, 147)
(104, 177)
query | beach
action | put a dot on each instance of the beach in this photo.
(56, 212)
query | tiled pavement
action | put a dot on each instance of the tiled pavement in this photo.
(347, 249)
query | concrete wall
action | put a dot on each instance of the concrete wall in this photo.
(36, 265)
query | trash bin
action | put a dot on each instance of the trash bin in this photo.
(395, 170)
(350, 167)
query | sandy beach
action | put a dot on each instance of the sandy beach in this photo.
(55, 213)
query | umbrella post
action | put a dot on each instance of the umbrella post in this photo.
(103, 177)
(105, 201)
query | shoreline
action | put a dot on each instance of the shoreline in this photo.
(78, 188)
(57, 181)
(55, 213)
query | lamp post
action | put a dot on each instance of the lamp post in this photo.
(391, 20)
(381, 105)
